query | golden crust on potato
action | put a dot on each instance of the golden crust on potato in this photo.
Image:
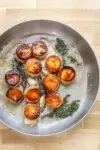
(23, 52)
(51, 82)
(32, 95)
(39, 49)
(14, 94)
(53, 100)
(33, 67)
(12, 78)
(53, 63)
(31, 111)
(66, 74)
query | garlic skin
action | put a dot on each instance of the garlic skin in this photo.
(31, 123)
(21, 88)
(45, 72)
(32, 82)
(42, 101)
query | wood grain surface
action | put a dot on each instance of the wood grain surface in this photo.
(83, 16)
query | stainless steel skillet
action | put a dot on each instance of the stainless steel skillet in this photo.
(54, 28)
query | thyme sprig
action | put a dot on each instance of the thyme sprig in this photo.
(21, 69)
(62, 49)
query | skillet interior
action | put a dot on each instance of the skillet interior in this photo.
(54, 28)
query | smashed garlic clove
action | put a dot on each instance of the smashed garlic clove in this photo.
(21, 88)
(32, 82)
(46, 111)
(45, 72)
(42, 101)
(30, 122)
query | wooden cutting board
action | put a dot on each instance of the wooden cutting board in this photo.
(83, 16)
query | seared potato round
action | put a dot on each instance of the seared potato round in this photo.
(23, 52)
(39, 49)
(66, 74)
(15, 95)
(12, 78)
(32, 95)
(32, 111)
(33, 67)
(51, 82)
(53, 100)
(53, 64)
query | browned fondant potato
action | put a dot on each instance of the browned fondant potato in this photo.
(53, 64)
(66, 75)
(15, 95)
(33, 67)
(12, 78)
(51, 82)
(31, 111)
(23, 52)
(32, 95)
(39, 49)
(53, 100)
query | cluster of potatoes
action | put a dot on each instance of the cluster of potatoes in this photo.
(31, 56)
